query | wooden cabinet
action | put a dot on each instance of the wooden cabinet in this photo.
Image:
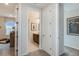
(12, 39)
(36, 38)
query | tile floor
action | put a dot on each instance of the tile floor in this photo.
(70, 51)
(38, 53)
(32, 46)
(67, 52)
(5, 50)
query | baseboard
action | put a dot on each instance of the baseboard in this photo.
(72, 47)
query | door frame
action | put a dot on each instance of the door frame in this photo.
(16, 33)
(39, 30)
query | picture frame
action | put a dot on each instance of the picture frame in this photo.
(73, 25)
(33, 27)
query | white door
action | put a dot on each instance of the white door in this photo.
(51, 23)
(43, 30)
(46, 41)
(48, 28)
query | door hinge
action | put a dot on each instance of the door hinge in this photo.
(17, 22)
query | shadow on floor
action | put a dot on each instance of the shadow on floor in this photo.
(70, 51)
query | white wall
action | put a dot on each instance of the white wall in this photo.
(22, 29)
(70, 10)
(61, 28)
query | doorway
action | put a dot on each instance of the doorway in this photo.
(8, 29)
(33, 30)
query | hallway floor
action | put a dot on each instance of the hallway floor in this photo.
(38, 53)
(68, 52)
(5, 50)
(33, 46)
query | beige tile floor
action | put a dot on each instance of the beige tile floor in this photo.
(32, 46)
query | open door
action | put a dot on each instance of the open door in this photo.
(45, 31)
(16, 34)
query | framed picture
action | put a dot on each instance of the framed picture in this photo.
(73, 25)
(33, 26)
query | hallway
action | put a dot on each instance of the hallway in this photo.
(6, 50)
(38, 53)
(32, 46)
(68, 52)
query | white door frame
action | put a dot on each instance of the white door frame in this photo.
(16, 33)
(39, 32)
(40, 43)
(40, 38)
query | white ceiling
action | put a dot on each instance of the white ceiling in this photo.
(38, 5)
(7, 10)
(10, 6)
(70, 6)
(13, 5)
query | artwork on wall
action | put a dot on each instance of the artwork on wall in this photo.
(33, 26)
(73, 25)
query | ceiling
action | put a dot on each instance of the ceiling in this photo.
(7, 10)
(70, 6)
(9, 4)
(38, 5)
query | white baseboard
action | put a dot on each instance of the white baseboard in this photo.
(72, 47)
